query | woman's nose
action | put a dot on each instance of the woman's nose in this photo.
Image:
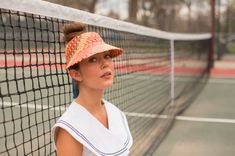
(104, 63)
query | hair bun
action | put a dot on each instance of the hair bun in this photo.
(73, 29)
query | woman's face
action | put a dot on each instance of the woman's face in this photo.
(97, 71)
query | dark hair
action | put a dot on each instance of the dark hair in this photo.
(75, 66)
(75, 89)
(71, 30)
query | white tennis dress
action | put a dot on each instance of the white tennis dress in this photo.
(97, 140)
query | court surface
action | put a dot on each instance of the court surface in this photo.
(207, 126)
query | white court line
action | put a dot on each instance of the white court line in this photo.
(31, 106)
(183, 118)
(142, 115)
(133, 114)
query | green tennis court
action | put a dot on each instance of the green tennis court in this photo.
(207, 127)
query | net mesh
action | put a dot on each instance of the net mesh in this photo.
(36, 89)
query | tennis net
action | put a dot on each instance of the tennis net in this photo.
(156, 77)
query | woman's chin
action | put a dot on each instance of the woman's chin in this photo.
(108, 85)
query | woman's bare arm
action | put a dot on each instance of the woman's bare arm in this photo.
(67, 145)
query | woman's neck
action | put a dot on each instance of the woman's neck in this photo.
(91, 99)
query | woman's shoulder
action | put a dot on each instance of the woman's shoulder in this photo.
(71, 111)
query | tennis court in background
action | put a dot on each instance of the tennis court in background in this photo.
(207, 126)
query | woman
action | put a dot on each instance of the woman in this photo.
(91, 125)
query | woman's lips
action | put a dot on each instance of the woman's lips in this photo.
(106, 75)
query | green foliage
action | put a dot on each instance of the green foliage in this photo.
(231, 47)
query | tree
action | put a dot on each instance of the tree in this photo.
(188, 4)
(132, 10)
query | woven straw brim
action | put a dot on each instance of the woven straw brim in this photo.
(99, 48)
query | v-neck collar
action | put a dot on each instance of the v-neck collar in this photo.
(94, 118)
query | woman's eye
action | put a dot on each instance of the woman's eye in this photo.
(108, 56)
(93, 59)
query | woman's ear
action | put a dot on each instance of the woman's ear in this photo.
(75, 74)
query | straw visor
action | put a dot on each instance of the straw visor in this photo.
(86, 45)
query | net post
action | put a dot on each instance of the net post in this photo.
(172, 72)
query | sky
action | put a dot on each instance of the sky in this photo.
(120, 7)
